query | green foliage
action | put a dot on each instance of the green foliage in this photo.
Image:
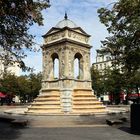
(35, 83)
(123, 23)
(114, 83)
(16, 17)
(97, 82)
(111, 83)
(27, 87)
(8, 84)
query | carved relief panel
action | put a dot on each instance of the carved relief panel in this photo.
(62, 62)
(55, 37)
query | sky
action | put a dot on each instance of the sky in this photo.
(82, 12)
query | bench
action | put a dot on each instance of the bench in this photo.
(4, 118)
(112, 122)
(19, 123)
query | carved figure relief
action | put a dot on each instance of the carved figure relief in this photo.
(77, 36)
(62, 65)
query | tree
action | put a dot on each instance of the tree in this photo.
(123, 24)
(8, 84)
(133, 85)
(110, 82)
(16, 17)
(29, 86)
(114, 84)
(23, 87)
(26, 87)
(97, 82)
(35, 85)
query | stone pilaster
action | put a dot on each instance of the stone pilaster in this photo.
(66, 100)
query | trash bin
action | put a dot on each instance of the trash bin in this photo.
(135, 118)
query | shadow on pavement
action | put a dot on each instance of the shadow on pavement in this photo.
(126, 129)
(7, 132)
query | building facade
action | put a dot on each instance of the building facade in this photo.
(103, 61)
(13, 69)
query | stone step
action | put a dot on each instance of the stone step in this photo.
(45, 96)
(84, 99)
(46, 103)
(87, 103)
(88, 111)
(44, 112)
(45, 107)
(49, 95)
(48, 99)
(87, 92)
(84, 95)
(83, 92)
(50, 91)
(88, 107)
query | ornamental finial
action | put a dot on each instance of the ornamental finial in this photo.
(66, 16)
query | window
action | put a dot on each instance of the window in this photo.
(100, 66)
(102, 58)
(105, 65)
(96, 66)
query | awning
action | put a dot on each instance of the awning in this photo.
(2, 95)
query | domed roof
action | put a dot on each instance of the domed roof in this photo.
(66, 23)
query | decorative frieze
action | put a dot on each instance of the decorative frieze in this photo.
(55, 37)
(69, 34)
(78, 37)
(66, 84)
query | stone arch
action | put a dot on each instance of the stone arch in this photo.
(55, 63)
(78, 57)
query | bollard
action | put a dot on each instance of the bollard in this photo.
(135, 118)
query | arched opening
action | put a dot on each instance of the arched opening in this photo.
(78, 66)
(55, 60)
(56, 68)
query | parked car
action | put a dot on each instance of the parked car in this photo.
(134, 97)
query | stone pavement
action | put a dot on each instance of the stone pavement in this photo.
(66, 133)
(21, 109)
(92, 127)
(65, 120)
(13, 109)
